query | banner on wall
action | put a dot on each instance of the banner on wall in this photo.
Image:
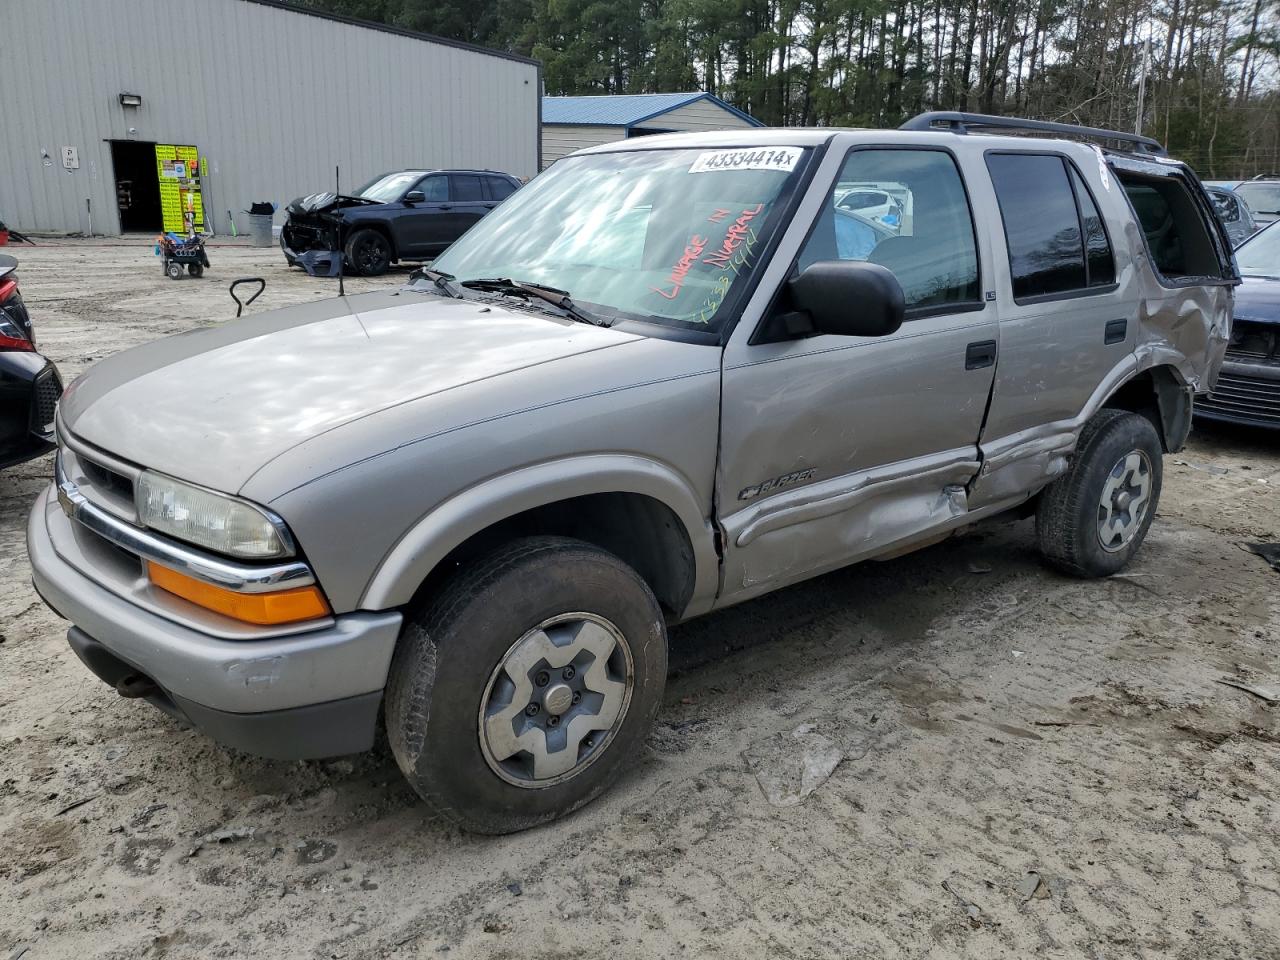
(179, 168)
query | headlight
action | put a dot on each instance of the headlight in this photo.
(207, 519)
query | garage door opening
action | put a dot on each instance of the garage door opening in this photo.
(137, 186)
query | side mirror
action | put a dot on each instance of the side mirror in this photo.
(849, 298)
(415, 196)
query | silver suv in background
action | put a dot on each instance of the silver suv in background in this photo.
(1262, 194)
(668, 376)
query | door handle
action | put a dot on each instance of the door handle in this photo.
(445, 206)
(1116, 332)
(980, 354)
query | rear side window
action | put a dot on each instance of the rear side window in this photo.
(1177, 235)
(925, 237)
(1056, 238)
(499, 189)
(1099, 263)
(466, 188)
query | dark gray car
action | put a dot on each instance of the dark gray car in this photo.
(666, 377)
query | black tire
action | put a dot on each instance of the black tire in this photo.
(449, 651)
(368, 253)
(173, 270)
(195, 269)
(1071, 509)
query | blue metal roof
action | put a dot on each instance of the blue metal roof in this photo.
(625, 110)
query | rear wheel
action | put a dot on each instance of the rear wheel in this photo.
(528, 685)
(1092, 520)
(195, 269)
(368, 253)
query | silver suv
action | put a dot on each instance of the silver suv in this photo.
(669, 375)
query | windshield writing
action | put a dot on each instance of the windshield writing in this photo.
(660, 235)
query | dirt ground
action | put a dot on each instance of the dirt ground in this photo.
(1028, 765)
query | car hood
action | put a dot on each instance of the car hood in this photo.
(213, 406)
(1258, 299)
(324, 202)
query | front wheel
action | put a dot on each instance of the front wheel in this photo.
(528, 685)
(368, 253)
(1092, 520)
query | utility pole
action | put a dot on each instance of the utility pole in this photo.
(1142, 85)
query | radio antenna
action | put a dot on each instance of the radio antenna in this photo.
(337, 231)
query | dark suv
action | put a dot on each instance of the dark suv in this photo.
(406, 215)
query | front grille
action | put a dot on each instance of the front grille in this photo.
(1253, 342)
(106, 479)
(1244, 397)
(103, 481)
(44, 402)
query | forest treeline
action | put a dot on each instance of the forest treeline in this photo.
(1210, 94)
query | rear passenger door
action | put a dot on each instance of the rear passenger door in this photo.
(1066, 321)
(469, 203)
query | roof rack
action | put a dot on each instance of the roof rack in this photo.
(958, 122)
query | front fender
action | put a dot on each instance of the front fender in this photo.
(471, 511)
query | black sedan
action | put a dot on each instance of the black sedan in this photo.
(406, 215)
(1248, 389)
(29, 384)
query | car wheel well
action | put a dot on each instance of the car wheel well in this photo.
(1160, 395)
(641, 531)
(354, 228)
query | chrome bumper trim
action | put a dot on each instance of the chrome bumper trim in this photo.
(239, 577)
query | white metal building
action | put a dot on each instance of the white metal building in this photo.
(572, 123)
(135, 111)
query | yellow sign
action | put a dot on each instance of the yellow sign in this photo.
(179, 168)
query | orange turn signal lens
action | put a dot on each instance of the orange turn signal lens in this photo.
(280, 606)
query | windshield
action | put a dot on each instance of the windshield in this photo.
(1259, 256)
(662, 235)
(388, 187)
(1261, 197)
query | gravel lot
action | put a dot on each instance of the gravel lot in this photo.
(995, 721)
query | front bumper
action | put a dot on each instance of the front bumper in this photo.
(304, 694)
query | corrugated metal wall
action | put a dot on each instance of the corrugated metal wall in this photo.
(273, 98)
(561, 139)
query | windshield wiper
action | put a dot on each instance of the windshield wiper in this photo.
(552, 295)
(445, 282)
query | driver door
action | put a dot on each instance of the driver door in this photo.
(835, 448)
(423, 227)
